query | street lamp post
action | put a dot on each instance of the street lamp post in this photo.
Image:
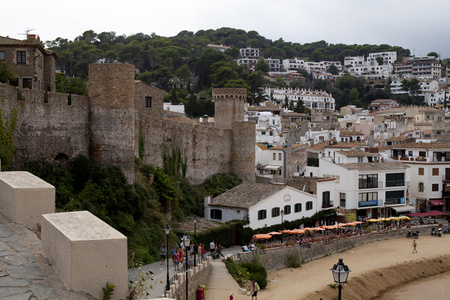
(195, 240)
(340, 274)
(282, 215)
(187, 243)
(167, 231)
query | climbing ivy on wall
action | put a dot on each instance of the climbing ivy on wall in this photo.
(7, 147)
(175, 163)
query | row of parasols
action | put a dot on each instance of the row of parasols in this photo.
(266, 236)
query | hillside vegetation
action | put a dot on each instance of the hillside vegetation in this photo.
(139, 211)
(185, 60)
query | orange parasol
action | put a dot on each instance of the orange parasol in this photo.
(274, 233)
(262, 236)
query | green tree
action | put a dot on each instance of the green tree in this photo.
(433, 54)
(379, 60)
(7, 147)
(184, 74)
(333, 69)
(262, 65)
(6, 74)
(71, 85)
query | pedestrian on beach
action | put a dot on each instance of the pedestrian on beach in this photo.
(132, 255)
(255, 290)
(414, 245)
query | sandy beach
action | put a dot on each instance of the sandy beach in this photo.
(390, 260)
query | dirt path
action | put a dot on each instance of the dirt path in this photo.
(316, 275)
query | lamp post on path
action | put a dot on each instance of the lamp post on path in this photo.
(167, 231)
(340, 274)
(187, 243)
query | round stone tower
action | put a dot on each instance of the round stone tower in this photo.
(112, 116)
(229, 106)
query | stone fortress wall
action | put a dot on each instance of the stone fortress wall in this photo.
(107, 126)
(48, 126)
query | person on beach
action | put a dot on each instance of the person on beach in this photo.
(255, 290)
(414, 245)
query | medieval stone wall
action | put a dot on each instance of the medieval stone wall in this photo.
(120, 112)
(47, 126)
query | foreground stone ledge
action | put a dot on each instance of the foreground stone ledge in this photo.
(24, 197)
(85, 252)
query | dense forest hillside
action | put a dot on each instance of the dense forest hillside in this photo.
(186, 59)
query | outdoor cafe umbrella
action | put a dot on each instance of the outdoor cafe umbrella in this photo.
(405, 218)
(262, 236)
(274, 233)
(373, 220)
(354, 223)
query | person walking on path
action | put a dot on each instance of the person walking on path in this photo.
(212, 247)
(163, 254)
(255, 290)
(414, 245)
(132, 255)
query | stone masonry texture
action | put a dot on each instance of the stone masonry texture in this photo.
(107, 126)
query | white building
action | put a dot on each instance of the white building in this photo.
(437, 98)
(425, 86)
(419, 67)
(249, 52)
(388, 58)
(262, 204)
(368, 189)
(311, 99)
(430, 173)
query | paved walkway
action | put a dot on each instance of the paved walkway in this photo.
(220, 284)
(24, 272)
(155, 288)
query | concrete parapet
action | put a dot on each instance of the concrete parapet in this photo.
(196, 277)
(24, 198)
(85, 252)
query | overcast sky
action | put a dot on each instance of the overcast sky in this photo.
(421, 26)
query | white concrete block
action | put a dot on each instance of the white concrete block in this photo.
(85, 252)
(24, 197)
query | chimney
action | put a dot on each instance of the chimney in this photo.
(31, 38)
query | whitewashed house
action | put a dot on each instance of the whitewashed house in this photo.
(262, 204)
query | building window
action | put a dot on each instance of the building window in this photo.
(309, 205)
(368, 181)
(395, 179)
(2, 55)
(262, 214)
(287, 209)
(21, 57)
(435, 171)
(435, 187)
(395, 197)
(148, 101)
(216, 214)
(342, 199)
(274, 156)
(421, 187)
(27, 83)
(297, 207)
(326, 202)
(279, 156)
(421, 171)
(275, 212)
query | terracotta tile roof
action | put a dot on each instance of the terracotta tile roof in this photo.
(355, 153)
(246, 195)
(378, 166)
(319, 146)
(5, 40)
(261, 146)
(344, 145)
(423, 145)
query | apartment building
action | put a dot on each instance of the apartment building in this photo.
(419, 67)
(430, 173)
(426, 85)
(311, 99)
(249, 52)
(367, 189)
